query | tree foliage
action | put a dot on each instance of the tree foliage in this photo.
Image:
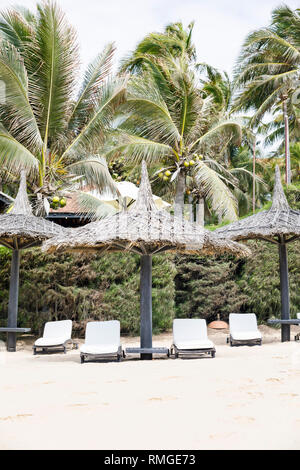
(45, 127)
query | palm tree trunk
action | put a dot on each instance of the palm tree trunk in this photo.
(179, 197)
(287, 142)
(200, 212)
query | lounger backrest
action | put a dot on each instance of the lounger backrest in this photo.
(189, 330)
(102, 332)
(58, 329)
(242, 322)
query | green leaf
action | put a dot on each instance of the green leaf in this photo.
(14, 155)
(93, 133)
(94, 77)
(137, 149)
(215, 190)
(55, 51)
(94, 172)
(15, 109)
(94, 206)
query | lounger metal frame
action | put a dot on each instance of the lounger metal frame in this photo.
(244, 342)
(119, 355)
(48, 348)
(174, 351)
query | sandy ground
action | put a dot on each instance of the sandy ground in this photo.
(245, 398)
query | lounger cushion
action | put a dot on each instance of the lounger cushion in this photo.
(51, 341)
(102, 337)
(243, 327)
(55, 333)
(195, 344)
(191, 334)
(245, 335)
(95, 349)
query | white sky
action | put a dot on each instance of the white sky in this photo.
(220, 25)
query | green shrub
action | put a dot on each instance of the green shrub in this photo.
(86, 287)
(206, 286)
(260, 280)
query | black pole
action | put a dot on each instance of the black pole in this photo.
(146, 304)
(13, 300)
(284, 290)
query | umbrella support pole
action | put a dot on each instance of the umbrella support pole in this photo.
(284, 291)
(13, 300)
(146, 304)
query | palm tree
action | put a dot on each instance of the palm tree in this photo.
(169, 121)
(175, 41)
(169, 124)
(44, 127)
(267, 74)
(271, 162)
(218, 86)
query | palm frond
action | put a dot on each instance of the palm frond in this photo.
(217, 193)
(148, 112)
(16, 27)
(229, 127)
(94, 172)
(92, 134)
(55, 53)
(92, 205)
(136, 149)
(14, 156)
(15, 109)
(94, 77)
(266, 105)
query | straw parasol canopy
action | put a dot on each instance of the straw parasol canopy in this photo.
(270, 225)
(279, 225)
(146, 231)
(20, 229)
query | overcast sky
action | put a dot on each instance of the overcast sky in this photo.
(220, 25)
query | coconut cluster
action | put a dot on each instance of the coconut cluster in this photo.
(166, 174)
(57, 202)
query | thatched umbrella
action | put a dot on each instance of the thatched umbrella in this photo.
(20, 230)
(279, 225)
(146, 231)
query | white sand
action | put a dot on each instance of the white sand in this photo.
(245, 398)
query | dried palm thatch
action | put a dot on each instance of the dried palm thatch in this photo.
(280, 225)
(20, 229)
(144, 230)
(270, 225)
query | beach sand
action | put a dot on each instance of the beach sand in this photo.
(245, 398)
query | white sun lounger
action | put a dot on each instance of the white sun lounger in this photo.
(102, 341)
(243, 329)
(190, 338)
(57, 334)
